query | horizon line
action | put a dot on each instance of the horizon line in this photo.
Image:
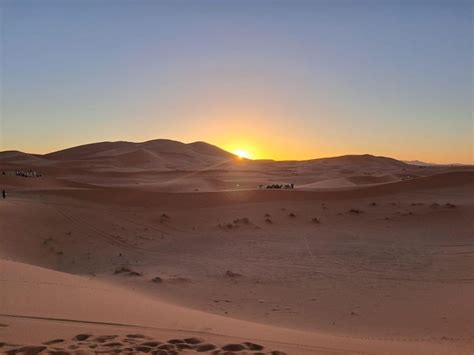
(407, 161)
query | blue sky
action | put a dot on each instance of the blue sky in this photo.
(280, 79)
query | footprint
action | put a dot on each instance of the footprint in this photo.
(166, 347)
(143, 349)
(113, 344)
(27, 350)
(205, 347)
(151, 344)
(253, 346)
(194, 341)
(82, 337)
(54, 341)
(183, 346)
(233, 347)
(160, 352)
(137, 336)
(104, 338)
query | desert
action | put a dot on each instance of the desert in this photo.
(236, 177)
(196, 254)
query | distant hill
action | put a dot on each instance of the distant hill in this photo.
(175, 166)
(162, 155)
(159, 154)
(15, 157)
(422, 163)
(364, 160)
(156, 146)
(419, 163)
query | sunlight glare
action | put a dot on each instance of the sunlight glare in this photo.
(242, 153)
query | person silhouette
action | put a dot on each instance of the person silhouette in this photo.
(4, 194)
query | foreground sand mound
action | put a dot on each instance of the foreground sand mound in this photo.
(72, 300)
(42, 309)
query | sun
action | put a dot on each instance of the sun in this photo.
(242, 154)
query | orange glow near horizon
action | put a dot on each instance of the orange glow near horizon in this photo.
(241, 153)
(272, 145)
(194, 73)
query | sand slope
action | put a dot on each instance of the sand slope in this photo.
(175, 241)
(168, 165)
(68, 305)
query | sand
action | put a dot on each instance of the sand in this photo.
(365, 255)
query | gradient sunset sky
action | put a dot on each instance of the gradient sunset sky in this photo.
(279, 79)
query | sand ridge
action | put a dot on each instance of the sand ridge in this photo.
(365, 255)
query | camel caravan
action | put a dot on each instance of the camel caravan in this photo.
(277, 186)
(22, 173)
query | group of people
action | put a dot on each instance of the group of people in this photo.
(26, 173)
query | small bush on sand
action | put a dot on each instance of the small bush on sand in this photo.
(243, 220)
(230, 273)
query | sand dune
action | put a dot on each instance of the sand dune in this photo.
(77, 314)
(140, 247)
(137, 197)
(43, 183)
(367, 180)
(159, 154)
(20, 158)
(145, 164)
(351, 181)
(72, 300)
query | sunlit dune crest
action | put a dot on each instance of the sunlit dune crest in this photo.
(242, 154)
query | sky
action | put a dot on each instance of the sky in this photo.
(276, 79)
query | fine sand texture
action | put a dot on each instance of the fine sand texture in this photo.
(170, 248)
